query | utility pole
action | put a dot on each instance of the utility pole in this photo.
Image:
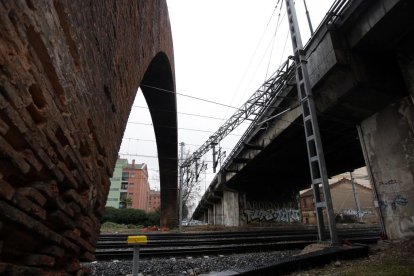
(180, 194)
(355, 197)
(313, 139)
(308, 17)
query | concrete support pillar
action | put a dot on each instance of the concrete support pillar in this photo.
(218, 209)
(231, 208)
(388, 137)
(210, 215)
(205, 217)
(214, 214)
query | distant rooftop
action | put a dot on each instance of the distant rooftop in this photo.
(133, 166)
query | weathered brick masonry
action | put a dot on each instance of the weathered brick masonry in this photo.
(69, 74)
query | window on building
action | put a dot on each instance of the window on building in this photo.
(125, 176)
(112, 199)
(131, 185)
(124, 186)
(132, 175)
(123, 196)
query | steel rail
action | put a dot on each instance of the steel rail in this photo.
(200, 250)
(205, 243)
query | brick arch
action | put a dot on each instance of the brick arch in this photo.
(156, 87)
(69, 73)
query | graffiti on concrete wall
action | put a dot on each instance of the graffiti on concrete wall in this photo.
(275, 215)
(399, 200)
(355, 213)
(266, 211)
(389, 182)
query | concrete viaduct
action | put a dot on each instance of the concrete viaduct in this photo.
(69, 73)
(70, 70)
(361, 67)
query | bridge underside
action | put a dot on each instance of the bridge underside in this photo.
(69, 74)
(282, 168)
(361, 73)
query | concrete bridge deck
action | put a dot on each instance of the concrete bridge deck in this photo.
(362, 78)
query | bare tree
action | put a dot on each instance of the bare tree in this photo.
(191, 186)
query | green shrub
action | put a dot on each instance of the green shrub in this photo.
(153, 218)
(131, 216)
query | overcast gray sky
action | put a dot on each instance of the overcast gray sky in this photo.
(224, 50)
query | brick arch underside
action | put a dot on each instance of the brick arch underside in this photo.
(69, 74)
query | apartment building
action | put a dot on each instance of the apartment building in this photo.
(129, 186)
(154, 200)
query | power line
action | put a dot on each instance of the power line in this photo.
(188, 129)
(260, 62)
(155, 156)
(147, 156)
(273, 40)
(182, 113)
(254, 53)
(154, 141)
(188, 96)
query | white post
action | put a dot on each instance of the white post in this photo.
(136, 241)
(135, 264)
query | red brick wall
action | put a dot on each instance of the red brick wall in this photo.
(69, 73)
(154, 200)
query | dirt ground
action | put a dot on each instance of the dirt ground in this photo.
(394, 258)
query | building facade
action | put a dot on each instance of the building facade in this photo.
(114, 198)
(154, 201)
(349, 205)
(129, 186)
(135, 176)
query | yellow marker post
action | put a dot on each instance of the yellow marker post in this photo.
(136, 241)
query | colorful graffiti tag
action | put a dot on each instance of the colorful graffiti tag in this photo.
(275, 215)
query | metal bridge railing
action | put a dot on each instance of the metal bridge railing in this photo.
(333, 15)
(251, 110)
(278, 84)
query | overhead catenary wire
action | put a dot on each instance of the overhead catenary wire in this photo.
(253, 55)
(185, 95)
(197, 98)
(181, 128)
(260, 62)
(293, 122)
(252, 108)
(154, 156)
(182, 113)
(273, 41)
(154, 141)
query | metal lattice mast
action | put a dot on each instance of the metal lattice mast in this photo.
(253, 107)
(313, 139)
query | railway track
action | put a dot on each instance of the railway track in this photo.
(210, 243)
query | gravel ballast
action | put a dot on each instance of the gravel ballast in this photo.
(190, 265)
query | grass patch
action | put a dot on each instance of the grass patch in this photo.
(381, 269)
(111, 227)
